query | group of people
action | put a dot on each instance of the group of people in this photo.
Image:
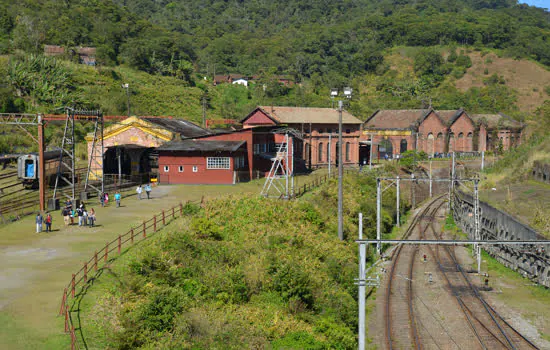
(85, 217)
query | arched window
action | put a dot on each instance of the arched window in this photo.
(403, 146)
(440, 135)
(385, 148)
(430, 149)
(320, 155)
(308, 149)
(460, 135)
(347, 151)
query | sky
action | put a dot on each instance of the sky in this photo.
(537, 3)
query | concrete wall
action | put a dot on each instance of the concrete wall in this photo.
(541, 171)
(531, 261)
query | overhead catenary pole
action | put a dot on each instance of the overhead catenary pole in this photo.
(41, 165)
(378, 213)
(477, 224)
(431, 177)
(371, 149)
(482, 160)
(397, 202)
(362, 287)
(340, 176)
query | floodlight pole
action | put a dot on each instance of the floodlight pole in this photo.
(340, 175)
(329, 155)
(362, 286)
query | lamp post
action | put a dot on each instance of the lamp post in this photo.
(127, 87)
(333, 94)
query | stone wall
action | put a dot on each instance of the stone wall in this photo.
(541, 171)
(531, 261)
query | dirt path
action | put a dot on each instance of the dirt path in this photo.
(36, 267)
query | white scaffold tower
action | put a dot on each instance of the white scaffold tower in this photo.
(279, 183)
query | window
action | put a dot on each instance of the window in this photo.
(347, 151)
(329, 131)
(440, 136)
(403, 145)
(195, 168)
(166, 168)
(256, 148)
(460, 135)
(218, 163)
(348, 131)
(307, 152)
(180, 169)
(320, 156)
(320, 131)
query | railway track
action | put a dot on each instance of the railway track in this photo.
(488, 327)
(401, 323)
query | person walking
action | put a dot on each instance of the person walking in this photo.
(91, 217)
(102, 199)
(84, 217)
(148, 190)
(139, 189)
(38, 223)
(117, 199)
(72, 215)
(48, 223)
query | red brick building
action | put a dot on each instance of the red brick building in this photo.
(436, 132)
(319, 127)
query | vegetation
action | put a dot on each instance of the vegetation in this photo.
(241, 272)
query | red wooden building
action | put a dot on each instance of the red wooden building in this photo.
(202, 162)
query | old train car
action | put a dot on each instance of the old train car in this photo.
(27, 168)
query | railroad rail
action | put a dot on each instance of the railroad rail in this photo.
(400, 279)
(488, 326)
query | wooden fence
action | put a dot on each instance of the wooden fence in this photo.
(80, 279)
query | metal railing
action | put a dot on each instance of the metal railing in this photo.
(80, 280)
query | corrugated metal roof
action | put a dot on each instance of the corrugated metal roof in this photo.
(202, 146)
(183, 127)
(395, 118)
(293, 115)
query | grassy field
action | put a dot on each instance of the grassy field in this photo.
(36, 267)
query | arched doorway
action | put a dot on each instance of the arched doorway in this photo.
(403, 146)
(431, 144)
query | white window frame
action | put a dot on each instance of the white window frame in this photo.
(195, 169)
(166, 168)
(180, 169)
(218, 163)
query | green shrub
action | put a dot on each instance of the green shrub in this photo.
(205, 228)
(293, 284)
(298, 340)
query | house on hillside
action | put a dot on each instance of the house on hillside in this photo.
(437, 132)
(86, 55)
(227, 78)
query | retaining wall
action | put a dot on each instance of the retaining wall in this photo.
(541, 171)
(531, 261)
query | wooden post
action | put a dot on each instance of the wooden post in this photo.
(181, 208)
(85, 272)
(163, 218)
(73, 339)
(132, 235)
(66, 320)
(72, 286)
(63, 301)
(105, 256)
(202, 201)
(155, 223)
(144, 230)
(95, 261)
(173, 212)
(119, 243)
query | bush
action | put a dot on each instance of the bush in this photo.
(205, 228)
(293, 284)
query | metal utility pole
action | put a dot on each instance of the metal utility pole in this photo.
(430, 177)
(127, 87)
(204, 100)
(119, 155)
(41, 165)
(378, 213)
(397, 201)
(340, 175)
(329, 158)
(292, 167)
(476, 224)
(371, 149)
(482, 160)
(362, 287)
